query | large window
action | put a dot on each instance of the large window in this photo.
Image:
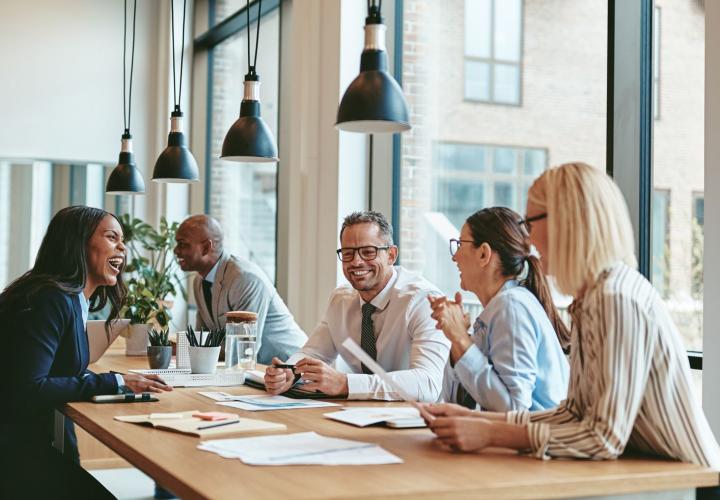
(462, 156)
(31, 192)
(678, 163)
(243, 196)
(493, 50)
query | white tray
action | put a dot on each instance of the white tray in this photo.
(181, 377)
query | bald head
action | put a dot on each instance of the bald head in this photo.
(199, 243)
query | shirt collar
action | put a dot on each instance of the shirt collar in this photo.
(380, 301)
(211, 275)
(84, 306)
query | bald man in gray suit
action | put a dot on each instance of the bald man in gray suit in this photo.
(228, 283)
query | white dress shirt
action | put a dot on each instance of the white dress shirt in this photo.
(408, 344)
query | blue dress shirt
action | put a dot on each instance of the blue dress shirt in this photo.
(515, 361)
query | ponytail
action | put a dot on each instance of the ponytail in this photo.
(537, 283)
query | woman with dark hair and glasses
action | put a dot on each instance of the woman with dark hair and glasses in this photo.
(43, 313)
(513, 360)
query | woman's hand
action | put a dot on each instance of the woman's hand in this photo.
(145, 383)
(463, 433)
(451, 318)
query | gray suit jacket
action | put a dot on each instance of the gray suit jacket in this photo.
(240, 285)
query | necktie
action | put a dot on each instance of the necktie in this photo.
(207, 293)
(367, 333)
(464, 399)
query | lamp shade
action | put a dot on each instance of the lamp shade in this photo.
(250, 139)
(374, 102)
(176, 163)
(125, 177)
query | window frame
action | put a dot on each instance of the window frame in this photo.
(491, 61)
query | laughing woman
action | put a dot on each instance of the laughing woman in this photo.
(43, 314)
(513, 360)
(630, 385)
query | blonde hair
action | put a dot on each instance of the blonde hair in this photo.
(589, 225)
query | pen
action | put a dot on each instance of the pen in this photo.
(122, 397)
(285, 366)
(208, 426)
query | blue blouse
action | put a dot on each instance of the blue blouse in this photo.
(515, 362)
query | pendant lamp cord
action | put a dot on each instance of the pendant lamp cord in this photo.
(127, 113)
(371, 3)
(177, 95)
(251, 68)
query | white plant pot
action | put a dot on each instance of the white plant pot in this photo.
(203, 359)
(136, 341)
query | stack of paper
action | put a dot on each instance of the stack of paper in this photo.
(264, 402)
(304, 448)
(402, 416)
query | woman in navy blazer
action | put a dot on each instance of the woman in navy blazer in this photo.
(45, 351)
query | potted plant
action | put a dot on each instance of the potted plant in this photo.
(159, 352)
(204, 352)
(151, 280)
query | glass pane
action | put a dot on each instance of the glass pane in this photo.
(508, 19)
(504, 160)
(243, 196)
(560, 119)
(504, 195)
(506, 85)
(660, 248)
(477, 81)
(225, 9)
(678, 161)
(534, 162)
(477, 28)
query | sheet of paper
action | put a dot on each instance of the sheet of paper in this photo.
(364, 416)
(306, 448)
(266, 402)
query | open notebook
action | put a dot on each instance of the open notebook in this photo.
(185, 423)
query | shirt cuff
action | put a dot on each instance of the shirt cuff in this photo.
(358, 386)
(539, 436)
(296, 357)
(120, 382)
(472, 362)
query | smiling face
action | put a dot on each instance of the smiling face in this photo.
(105, 255)
(192, 249)
(466, 259)
(368, 277)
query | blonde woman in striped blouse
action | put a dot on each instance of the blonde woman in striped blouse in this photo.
(630, 386)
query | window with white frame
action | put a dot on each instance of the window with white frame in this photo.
(493, 50)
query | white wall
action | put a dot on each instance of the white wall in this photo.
(711, 278)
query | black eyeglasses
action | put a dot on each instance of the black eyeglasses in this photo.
(369, 252)
(455, 245)
(529, 220)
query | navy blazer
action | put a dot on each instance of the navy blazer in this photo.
(44, 365)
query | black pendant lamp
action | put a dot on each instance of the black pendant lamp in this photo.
(374, 102)
(125, 177)
(176, 163)
(250, 139)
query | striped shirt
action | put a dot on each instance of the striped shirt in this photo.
(630, 385)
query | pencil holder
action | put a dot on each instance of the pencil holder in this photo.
(182, 356)
(203, 359)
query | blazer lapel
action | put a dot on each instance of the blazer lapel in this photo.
(217, 290)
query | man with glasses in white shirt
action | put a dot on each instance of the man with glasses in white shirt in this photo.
(385, 310)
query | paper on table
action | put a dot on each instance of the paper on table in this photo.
(307, 448)
(267, 402)
(358, 352)
(363, 415)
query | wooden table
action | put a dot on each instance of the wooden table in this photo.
(428, 472)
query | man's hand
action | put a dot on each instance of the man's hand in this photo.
(145, 383)
(278, 380)
(319, 376)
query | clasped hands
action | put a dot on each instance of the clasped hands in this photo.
(317, 375)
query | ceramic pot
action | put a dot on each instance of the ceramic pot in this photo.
(203, 359)
(159, 356)
(136, 341)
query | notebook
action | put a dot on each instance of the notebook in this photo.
(185, 423)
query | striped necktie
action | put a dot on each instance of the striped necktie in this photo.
(367, 333)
